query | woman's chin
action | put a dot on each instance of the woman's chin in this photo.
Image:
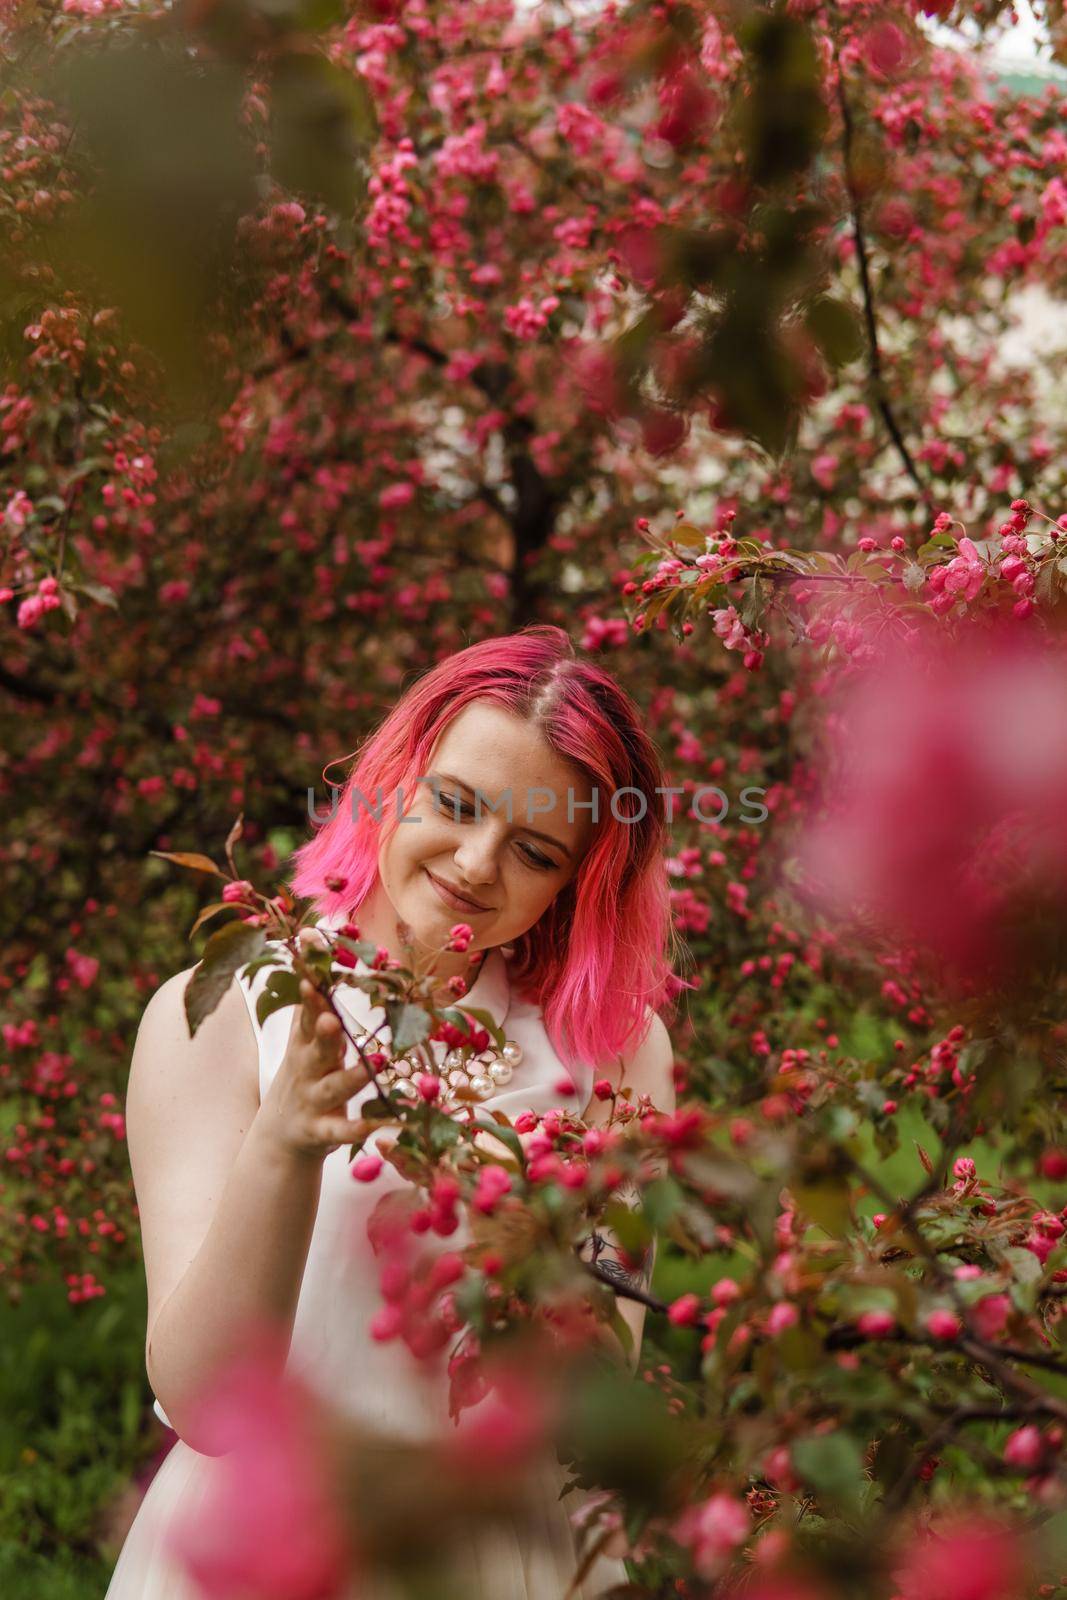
(428, 922)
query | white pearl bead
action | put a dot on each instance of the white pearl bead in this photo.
(454, 1058)
(500, 1072)
(482, 1086)
(512, 1053)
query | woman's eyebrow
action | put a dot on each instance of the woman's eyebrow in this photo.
(461, 783)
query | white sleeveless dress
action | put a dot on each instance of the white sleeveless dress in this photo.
(379, 1383)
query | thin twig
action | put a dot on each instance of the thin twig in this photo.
(877, 375)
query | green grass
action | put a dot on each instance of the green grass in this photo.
(75, 1424)
(55, 1577)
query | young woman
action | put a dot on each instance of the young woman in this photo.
(528, 809)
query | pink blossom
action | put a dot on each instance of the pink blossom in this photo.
(493, 1183)
(504, 1430)
(876, 1324)
(824, 469)
(990, 1315)
(960, 578)
(778, 1469)
(579, 127)
(604, 633)
(885, 48)
(684, 1311)
(730, 628)
(947, 799)
(598, 375)
(18, 511)
(1025, 1448)
(365, 1168)
(269, 1526)
(84, 968)
(944, 1325)
(30, 611)
(396, 495)
(240, 889)
(969, 1559)
(712, 1532)
(782, 1316)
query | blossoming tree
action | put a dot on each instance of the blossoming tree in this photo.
(398, 324)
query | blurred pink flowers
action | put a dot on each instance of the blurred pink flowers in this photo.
(269, 1528)
(713, 1531)
(946, 798)
(968, 1559)
(504, 1429)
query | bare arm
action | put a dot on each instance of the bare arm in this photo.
(645, 1070)
(227, 1197)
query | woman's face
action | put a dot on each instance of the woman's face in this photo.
(493, 835)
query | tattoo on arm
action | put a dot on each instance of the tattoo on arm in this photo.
(606, 1259)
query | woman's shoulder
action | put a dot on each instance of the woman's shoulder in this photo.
(647, 1062)
(170, 1060)
(165, 1037)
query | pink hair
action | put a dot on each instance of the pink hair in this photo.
(599, 957)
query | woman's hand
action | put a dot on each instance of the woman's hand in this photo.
(303, 1113)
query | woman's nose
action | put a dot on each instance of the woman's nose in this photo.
(475, 856)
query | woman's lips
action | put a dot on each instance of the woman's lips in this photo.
(455, 901)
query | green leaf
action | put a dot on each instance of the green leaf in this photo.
(376, 1110)
(486, 1020)
(1025, 1266)
(1047, 582)
(444, 1133)
(282, 989)
(836, 331)
(191, 859)
(631, 1228)
(661, 1201)
(506, 1135)
(832, 1464)
(322, 121)
(828, 1205)
(97, 591)
(225, 953)
(685, 534)
(409, 1024)
(928, 552)
(892, 1458)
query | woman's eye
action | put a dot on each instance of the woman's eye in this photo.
(534, 858)
(461, 810)
(457, 806)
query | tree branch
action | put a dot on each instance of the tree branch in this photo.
(877, 376)
(626, 1291)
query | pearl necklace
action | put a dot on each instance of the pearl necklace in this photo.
(463, 1074)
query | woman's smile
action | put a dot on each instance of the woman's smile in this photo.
(452, 897)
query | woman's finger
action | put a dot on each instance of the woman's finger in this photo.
(334, 1130)
(329, 1039)
(337, 1088)
(310, 1009)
